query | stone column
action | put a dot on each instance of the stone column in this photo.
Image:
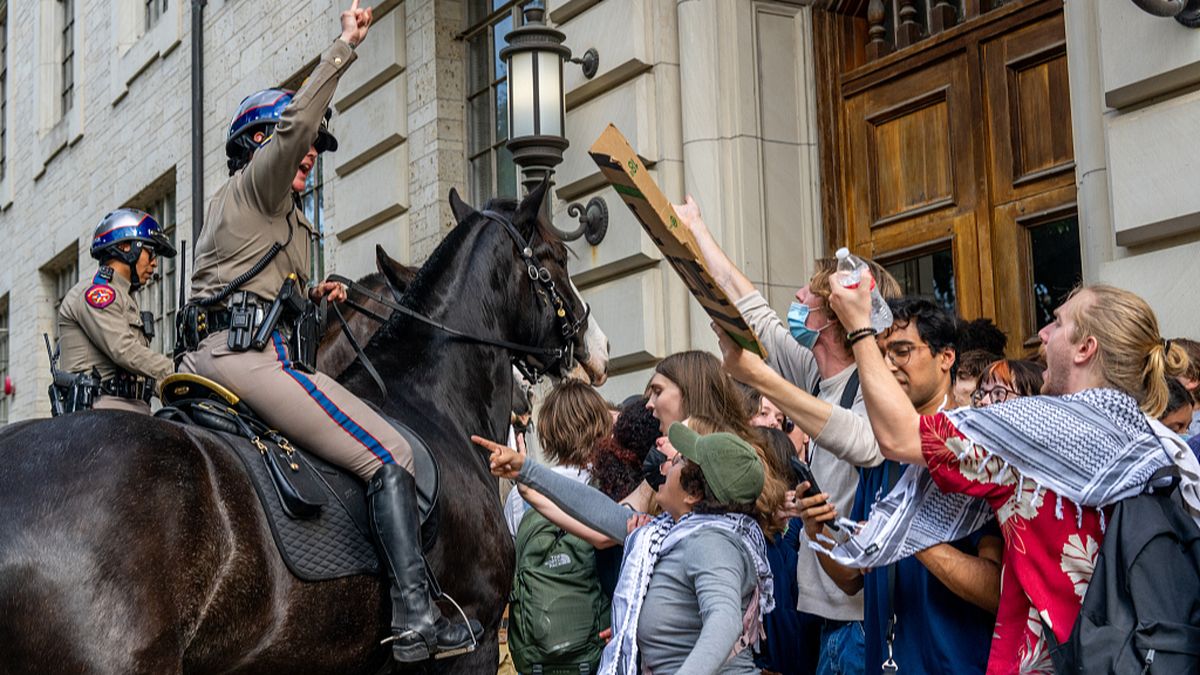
(436, 117)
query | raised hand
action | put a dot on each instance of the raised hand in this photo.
(689, 214)
(852, 305)
(355, 23)
(742, 365)
(505, 462)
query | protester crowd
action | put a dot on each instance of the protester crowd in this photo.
(861, 501)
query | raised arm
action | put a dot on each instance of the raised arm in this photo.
(267, 180)
(582, 502)
(893, 418)
(728, 277)
(844, 433)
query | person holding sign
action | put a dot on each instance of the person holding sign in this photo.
(813, 353)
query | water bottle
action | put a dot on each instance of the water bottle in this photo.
(850, 269)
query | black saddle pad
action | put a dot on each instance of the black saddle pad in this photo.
(337, 542)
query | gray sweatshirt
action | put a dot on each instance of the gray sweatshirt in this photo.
(700, 589)
(845, 443)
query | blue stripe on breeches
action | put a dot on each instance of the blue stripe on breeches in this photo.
(335, 413)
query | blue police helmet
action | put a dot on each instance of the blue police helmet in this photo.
(129, 225)
(261, 111)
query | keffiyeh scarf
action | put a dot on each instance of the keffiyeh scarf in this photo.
(1093, 448)
(642, 551)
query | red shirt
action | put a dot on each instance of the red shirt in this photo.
(1048, 560)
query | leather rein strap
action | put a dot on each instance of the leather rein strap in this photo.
(538, 275)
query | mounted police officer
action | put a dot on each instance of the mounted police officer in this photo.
(252, 259)
(105, 360)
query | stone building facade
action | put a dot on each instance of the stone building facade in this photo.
(720, 97)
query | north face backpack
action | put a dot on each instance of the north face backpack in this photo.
(557, 609)
(1141, 611)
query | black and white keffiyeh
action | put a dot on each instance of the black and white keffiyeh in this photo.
(1093, 448)
(642, 551)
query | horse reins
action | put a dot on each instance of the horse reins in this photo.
(538, 275)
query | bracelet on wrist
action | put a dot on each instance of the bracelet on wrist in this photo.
(860, 334)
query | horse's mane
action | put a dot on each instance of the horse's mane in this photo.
(544, 239)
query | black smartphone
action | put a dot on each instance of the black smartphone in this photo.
(803, 473)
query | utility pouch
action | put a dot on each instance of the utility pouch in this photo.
(242, 311)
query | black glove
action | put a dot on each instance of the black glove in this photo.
(651, 468)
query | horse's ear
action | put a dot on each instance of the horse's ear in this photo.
(459, 208)
(531, 207)
(397, 274)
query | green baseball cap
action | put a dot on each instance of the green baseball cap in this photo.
(731, 466)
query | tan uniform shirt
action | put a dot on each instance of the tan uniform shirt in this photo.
(99, 326)
(255, 208)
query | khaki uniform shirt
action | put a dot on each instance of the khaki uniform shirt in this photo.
(99, 326)
(256, 207)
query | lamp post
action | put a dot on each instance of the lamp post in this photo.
(534, 58)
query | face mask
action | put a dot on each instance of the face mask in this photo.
(1185, 436)
(650, 468)
(797, 323)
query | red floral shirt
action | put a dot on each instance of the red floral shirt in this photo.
(1048, 560)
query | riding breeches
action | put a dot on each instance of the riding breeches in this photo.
(312, 410)
(106, 402)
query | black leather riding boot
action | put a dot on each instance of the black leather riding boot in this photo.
(419, 631)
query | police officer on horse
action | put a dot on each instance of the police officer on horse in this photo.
(250, 326)
(105, 360)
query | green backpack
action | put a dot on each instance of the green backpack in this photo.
(557, 609)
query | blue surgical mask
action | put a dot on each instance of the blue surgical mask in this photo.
(798, 325)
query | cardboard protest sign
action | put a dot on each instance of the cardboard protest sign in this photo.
(628, 176)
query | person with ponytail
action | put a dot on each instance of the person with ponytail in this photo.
(1048, 468)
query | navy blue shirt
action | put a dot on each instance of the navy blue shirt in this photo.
(936, 631)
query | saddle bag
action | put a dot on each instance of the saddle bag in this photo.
(293, 477)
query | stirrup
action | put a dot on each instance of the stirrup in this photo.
(466, 622)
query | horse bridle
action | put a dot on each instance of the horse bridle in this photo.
(545, 290)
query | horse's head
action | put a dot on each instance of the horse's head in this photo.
(548, 309)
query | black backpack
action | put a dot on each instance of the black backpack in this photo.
(1141, 611)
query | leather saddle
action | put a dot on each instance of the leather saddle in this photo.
(317, 511)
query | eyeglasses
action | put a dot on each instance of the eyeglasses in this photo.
(994, 395)
(900, 354)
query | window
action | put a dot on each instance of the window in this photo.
(155, 9)
(3, 357)
(162, 296)
(67, 60)
(491, 168)
(59, 276)
(313, 201)
(930, 274)
(1055, 265)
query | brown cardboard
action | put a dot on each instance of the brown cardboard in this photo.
(623, 169)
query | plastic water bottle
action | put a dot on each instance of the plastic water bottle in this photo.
(850, 270)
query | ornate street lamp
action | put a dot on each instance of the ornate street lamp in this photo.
(537, 111)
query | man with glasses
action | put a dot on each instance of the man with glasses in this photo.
(948, 591)
(103, 339)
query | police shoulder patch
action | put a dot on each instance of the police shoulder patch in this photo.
(100, 295)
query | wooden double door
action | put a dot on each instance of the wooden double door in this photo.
(953, 161)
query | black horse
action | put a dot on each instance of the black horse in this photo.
(130, 545)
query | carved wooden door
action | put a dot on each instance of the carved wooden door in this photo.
(955, 164)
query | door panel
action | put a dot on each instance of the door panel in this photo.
(1029, 111)
(912, 158)
(962, 144)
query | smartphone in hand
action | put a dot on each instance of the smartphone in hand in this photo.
(804, 473)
